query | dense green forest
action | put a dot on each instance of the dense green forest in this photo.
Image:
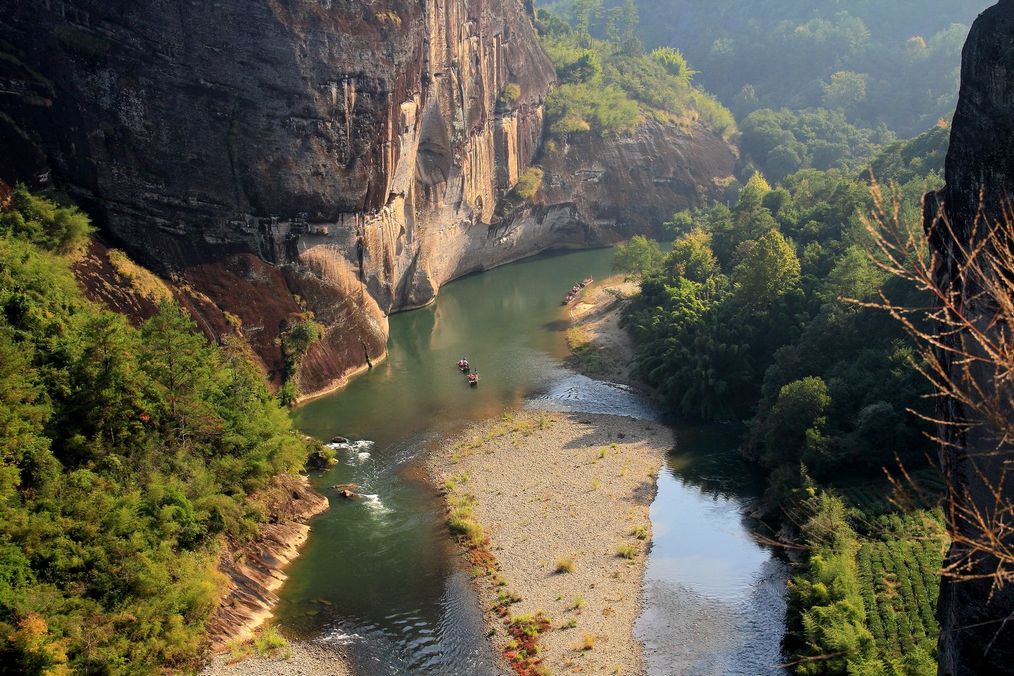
(749, 306)
(821, 85)
(753, 315)
(126, 455)
(608, 84)
(890, 63)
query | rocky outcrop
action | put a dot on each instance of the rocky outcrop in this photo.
(254, 570)
(976, 635)
(633, 183)
(340, 156)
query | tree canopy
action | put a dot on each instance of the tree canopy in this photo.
(126, 454)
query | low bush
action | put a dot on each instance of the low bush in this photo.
(627, 551)
(529, 184)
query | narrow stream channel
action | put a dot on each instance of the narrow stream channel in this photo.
(380, 577)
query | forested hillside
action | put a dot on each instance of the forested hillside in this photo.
(756, 314)
(608, 83)
(892, 63)
(126, 455)
(819, 85)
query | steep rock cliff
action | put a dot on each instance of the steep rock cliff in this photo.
(341, 156)
(976, 636)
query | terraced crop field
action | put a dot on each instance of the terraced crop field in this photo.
(882, 497)
(900, 585)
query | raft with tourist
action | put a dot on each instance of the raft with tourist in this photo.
(575, 291)
(473, 379)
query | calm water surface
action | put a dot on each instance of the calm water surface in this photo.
(379, 577)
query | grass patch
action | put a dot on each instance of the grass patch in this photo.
(141, 280)
(466, 528)
(270, 643)
(626, 552)
(640, 532)
(585, 355)
(564, 565)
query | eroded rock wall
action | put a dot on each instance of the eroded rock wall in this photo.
(351, 143)
(633, 183)
(976, 636)
(342, 156)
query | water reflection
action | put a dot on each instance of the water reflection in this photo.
(714, 598)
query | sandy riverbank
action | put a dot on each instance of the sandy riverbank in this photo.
(600, 347)
(561, 491)
(299, 659)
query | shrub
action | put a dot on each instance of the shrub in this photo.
(675, 63)
(529, 183)
(511, 93)
(564, 565)
(82, 43)
(296, 341)
(44, 223)
(388, 17)
(827, 595)
(627, 551)
(581, 107)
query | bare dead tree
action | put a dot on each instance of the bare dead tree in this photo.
(966, 351)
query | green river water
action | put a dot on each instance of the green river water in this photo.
(380, 577)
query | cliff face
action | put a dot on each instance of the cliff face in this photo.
(976, 637)
(632, 184)
(269, 156)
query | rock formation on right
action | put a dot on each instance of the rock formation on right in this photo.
(976, 606)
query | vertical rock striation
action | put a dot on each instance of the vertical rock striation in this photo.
(361, 146)
(975, 618)
(342, 156)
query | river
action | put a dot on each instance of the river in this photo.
(380, 576)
